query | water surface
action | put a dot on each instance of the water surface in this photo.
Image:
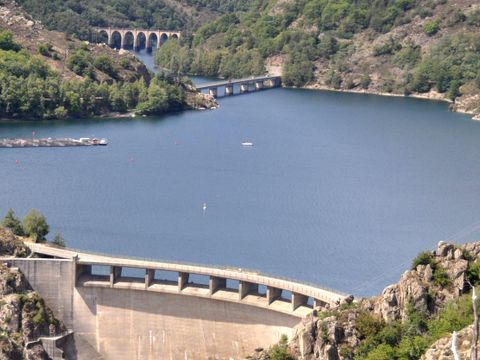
(339, 189)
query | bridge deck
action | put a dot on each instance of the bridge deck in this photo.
(249, 276)
(251, 79)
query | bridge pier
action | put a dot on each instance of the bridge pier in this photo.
(115, 273)
(149, 276)
(298, 300)
(216, 283)
(245, 288)
(228, 90)
(259, 85)
(182, 280)
(273, 294)
(243, 88)
(213, 91)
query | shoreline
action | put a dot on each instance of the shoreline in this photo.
(431, 96)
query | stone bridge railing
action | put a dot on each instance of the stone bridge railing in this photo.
(287, 296)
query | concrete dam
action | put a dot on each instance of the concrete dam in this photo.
(123, 308)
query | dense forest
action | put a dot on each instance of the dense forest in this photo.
(77, 17)
(29, 88)
(399, 46)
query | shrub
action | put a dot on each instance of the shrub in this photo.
(104, 64)
(381, 352)
(365, 81)
(424, 258)
(44, 50)
(279, 351)
(473, 272)
(368, 325)
(6, 41)
(453, 317)
(389, 47)
(431, 27)
(440, 277)
(79, 61)
(35, 225)
(58, 240)
(10, 221)
(336, 81)
(124, 63)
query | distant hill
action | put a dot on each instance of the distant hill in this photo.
(428, 48)
(75, 17)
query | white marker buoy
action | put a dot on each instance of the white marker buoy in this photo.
(204, 207)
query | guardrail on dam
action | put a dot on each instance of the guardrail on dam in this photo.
(123, 315)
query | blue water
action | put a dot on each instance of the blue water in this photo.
(339, 189)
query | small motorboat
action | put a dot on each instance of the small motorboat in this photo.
(247, 143)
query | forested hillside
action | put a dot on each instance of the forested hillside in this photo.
(76, 17)
(429, 47)
(46, 75)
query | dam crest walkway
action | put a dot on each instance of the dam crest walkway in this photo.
(250, 287)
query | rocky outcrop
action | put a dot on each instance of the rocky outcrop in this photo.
(334, 335)
(11, 245)
(24, 317)
(419, 287)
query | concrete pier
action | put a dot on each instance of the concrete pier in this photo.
(243, 88)
(228, 90)
(212, 92)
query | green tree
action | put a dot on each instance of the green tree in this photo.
(35, 225)
(10, 221)
(104, 64)
(58, 240)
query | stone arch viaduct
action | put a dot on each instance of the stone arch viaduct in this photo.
(124, 308)
(152, 37)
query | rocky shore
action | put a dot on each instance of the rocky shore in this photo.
(339, 333)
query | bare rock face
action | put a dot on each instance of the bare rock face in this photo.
(419, 288)
(11, 245)
(316, 338)
(426, 288)
(441, 350)
(24, 317)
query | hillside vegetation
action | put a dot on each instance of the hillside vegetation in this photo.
(75, 17)
(46, 75)
(429, 47)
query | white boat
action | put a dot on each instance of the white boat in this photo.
(247, 143)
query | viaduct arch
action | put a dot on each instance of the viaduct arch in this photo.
(152, 37)
(130, 312)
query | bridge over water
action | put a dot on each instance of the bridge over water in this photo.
(247, 84)
(126, 308)
(150, 37)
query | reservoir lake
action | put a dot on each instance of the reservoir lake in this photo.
(342, 190)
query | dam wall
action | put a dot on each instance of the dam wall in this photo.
(54, 280)
(126, 324)
(164, 312)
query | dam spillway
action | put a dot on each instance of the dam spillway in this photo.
(125, 317)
